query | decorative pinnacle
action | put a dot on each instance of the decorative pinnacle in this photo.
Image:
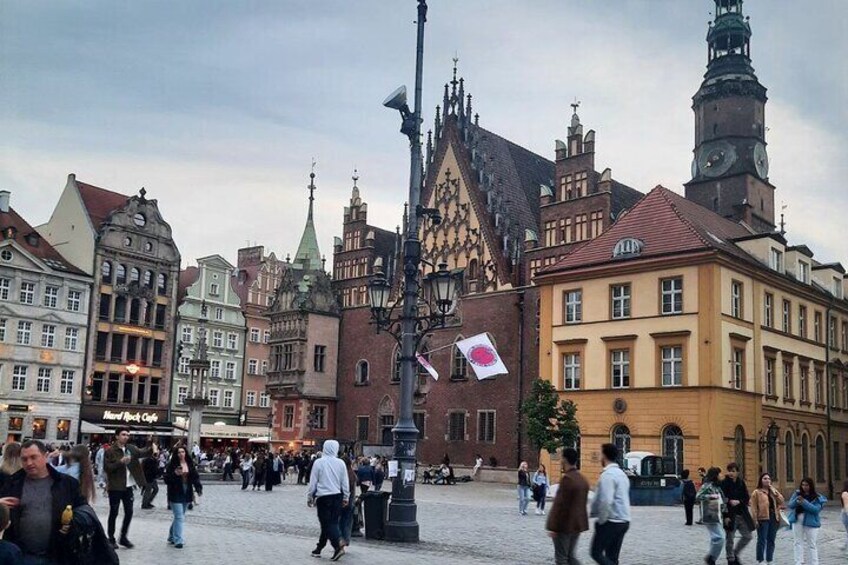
(453, 81)
(575, 105)
(311, 186)
(355, 177)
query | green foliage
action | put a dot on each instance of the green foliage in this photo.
(551, 423)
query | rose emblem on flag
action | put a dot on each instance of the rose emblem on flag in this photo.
(482, 355)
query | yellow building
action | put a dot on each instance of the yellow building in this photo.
(689, 335)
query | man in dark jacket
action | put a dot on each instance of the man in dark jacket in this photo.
(37, 495)
(738, 517)
(123, 476)
(150, 467)
(568, 517)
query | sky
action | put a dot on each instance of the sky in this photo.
(218, 108)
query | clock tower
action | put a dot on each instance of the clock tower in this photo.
(730, 165)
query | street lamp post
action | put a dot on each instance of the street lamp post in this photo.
(410, 326)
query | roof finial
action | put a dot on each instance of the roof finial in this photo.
(575, 119)
(453, 81)
(311, 186)
(782, 220)
(355, 176)
(142, 192)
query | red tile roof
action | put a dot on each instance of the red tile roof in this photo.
(99, 202)
(188, 277)
(42, 249)
(666, 223)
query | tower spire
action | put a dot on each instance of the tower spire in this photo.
(308, 256)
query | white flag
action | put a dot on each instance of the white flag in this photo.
(426, 364)
(482, 356)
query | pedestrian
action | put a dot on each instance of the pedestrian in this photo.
(523, 488)
(183, 482)
(687, 495)
(10, 554)
(302, 464)
(379, 475)
(195, 451)
(364, 475)
(612, 508)
(259, 471)
(228, 468)
(123, 476)
(738, 517)
(271, 473)
(329, 491)
(701, 474)
(478, 462)
(36, 496)
(78, 465)
(150, 467)
(844, 499)
(246, 468)
(766, 502)
(347, 521)
(711, 497)
(11, 463)
(568, 517)
(805, 507)
(540, 489)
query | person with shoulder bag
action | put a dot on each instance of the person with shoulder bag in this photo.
(766, 502)
(712, 502)
(183, 482)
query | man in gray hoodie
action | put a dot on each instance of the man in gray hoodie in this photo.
(329, 490)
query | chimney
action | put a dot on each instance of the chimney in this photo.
(4, 200)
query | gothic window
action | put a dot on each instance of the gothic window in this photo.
(473, 275)
(805, 456)
(459, 365)
(789, 454)
(361, 377)
(771, 452)
(820, 460)
(673, 446)
(396, 366)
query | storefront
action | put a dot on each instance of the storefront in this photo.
(99, 424)
(222, 436)
(20, 422)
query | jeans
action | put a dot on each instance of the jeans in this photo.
(346, 522)
(845, 522)
(716, 539)
(245, 479)
(540, 504)
(606, 543)
(116, 499)
(175, 534)
(228, 472)
(149, 493)
(565, 548)
(524, 495)
(737, 523)
(329, 511)
(766, 533)
(805, 543)
(688, 505)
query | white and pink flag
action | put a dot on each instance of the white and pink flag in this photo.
(482, 356)
(427, 366)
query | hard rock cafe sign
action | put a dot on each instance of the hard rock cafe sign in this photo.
(130, 417)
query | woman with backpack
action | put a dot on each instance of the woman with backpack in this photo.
(688, 495)
(540, 489)
(712, 502)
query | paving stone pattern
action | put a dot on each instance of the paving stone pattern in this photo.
(467, 523)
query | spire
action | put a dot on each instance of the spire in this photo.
(308, 256)
(729, 41)
(575, 128)
(355, 191)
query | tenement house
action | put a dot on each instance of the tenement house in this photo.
(206, 292)
(494, 198)
(692, 329)
(43, 321)
(304, 345)
(124, 243)
(256, 280)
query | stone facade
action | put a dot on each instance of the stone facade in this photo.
(210, 284)
(44, 303)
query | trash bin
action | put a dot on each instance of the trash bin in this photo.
(376, 507)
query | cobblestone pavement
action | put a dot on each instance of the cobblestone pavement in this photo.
(467, 523)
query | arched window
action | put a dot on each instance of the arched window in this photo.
(771, 452)
(396, 366)
(148, 279)
(120, 274)
(621, 439)
(106, 272)
(135, 275)
(472, 275)
(161, 283)
(820, 461)
(362, 372)
(805, 456)
(739, 449)
(673, 446)
(789, 460)
(459, 365)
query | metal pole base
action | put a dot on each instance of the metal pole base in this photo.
(402, 532)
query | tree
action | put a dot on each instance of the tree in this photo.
(551, 422)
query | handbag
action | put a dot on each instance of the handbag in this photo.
(783, 520)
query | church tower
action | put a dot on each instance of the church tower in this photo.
(730, 165)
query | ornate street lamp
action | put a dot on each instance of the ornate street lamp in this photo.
(417, 315)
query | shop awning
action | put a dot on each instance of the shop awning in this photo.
(228, 431)
(89, 428)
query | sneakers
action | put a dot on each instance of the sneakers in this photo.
(178, 546)
(316, 553)
(338, 554)
(709, 560)
(538, 512)
(126, 543)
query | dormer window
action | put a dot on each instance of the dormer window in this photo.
(804, 272)
(837, 287)
(776, 260)
(629, 246)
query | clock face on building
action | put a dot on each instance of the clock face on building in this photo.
(716, 158)
(761, 160)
